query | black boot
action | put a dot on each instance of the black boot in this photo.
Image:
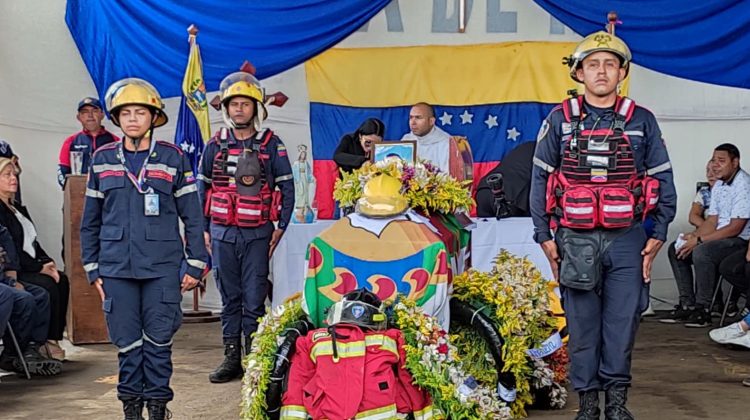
(38, 365)
(614, 405)
(157, 410)
(231, 367)
(588, 406)
(133, 408)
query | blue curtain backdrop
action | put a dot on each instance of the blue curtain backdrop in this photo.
(148, 38)
(707, 41)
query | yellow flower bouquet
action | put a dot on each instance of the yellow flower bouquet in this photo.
(424, 185)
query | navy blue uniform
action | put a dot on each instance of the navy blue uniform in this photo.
(603, 323)
(138, 257)
(240, 255)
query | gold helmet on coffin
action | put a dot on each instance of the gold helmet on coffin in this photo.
(382, 198)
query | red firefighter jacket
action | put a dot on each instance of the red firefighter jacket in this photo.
(364, 379)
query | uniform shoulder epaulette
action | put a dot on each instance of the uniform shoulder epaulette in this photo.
(107, 146)
(170, 145)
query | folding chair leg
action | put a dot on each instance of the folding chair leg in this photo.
(18, 350)
(726, 305)
(717, 288)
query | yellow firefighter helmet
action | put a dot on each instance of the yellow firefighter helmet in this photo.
(599, 41)
(243, 84)
(382, 198)
(134, 91)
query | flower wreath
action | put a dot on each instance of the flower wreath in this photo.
(424, 185)
(458, 373)
(259, 362)
(516, 298)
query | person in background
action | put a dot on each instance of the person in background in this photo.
(26, 308)
(92, 136)
(35, 266)
(736, 334)
(724, 232)
(684, 277)
(515, 172)
(702, 199)
(7, 152)
(356, 148)
(433, 144)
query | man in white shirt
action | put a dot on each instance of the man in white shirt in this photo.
(724, 232)
(433, 144)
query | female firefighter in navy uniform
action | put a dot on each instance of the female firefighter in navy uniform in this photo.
(240, 170)
(600, 167)
(137, 192)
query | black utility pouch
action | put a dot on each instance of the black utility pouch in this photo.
(580, 268)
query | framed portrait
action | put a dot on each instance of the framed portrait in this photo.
(405, 150)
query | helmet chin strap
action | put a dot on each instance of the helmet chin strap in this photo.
(230, 122)
(136, 141)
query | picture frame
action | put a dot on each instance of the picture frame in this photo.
(406, 150)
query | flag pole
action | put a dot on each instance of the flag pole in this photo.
(196, 315)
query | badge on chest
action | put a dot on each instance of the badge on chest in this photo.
(151, 204)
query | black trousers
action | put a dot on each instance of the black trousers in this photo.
(59, 294)
(736, 270)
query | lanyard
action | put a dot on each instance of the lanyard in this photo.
(140, 179)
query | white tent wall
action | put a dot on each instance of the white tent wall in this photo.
(42, 77)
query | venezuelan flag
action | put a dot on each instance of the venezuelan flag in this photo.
(193, 125)
(494, 94)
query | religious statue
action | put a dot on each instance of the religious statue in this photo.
(304, 188)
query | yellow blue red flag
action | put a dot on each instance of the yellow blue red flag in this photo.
(193, 126)
(494, 94)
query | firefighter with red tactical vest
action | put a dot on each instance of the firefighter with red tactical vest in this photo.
(241, 169)
(600, 168)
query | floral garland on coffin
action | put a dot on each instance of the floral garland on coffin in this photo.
(424, 185)
(259, 363)
(454, 368)
(515, 297)
(430, 358)
(436, 367)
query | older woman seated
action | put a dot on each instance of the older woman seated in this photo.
(36, 267)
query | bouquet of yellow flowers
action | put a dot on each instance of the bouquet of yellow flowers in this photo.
(424, 185)
(515, 297)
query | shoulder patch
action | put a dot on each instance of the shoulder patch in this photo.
(319, 335)
(542, 131)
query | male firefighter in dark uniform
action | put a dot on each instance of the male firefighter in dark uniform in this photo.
(240, 171)
(600, 168)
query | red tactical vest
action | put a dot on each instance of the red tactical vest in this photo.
(597, 184)
(226, 205)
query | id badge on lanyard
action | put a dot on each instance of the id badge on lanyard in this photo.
(151, 203)
(150, 198)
